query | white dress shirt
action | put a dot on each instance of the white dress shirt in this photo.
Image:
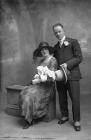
(62, 40)
(61, 43)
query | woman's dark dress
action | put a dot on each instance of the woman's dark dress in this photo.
(35, 98)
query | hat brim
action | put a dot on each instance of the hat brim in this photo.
(61, 74)
(65, 73)
(37, 52)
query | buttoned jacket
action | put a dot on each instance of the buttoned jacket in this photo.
(71, 54)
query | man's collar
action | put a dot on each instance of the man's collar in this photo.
(62, 40)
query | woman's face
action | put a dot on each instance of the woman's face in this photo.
(45, 52)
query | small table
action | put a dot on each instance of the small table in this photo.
(13, 93)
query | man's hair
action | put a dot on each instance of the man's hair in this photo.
(57, 24)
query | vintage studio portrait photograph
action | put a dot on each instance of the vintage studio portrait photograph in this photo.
(45, 69)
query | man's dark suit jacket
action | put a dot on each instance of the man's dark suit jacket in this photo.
(70, 54)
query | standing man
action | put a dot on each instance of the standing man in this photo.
(68, 53)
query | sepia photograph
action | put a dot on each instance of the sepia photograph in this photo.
(45, 70)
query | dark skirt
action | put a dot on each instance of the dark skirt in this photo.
(34, 100)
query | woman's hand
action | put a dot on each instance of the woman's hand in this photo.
(43, 78)
(36, 81)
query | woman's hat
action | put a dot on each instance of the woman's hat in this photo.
(42, 45)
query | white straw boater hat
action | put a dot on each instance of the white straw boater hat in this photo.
(61, 74)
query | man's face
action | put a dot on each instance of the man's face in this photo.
(59, 32)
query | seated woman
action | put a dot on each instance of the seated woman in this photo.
(35, 98)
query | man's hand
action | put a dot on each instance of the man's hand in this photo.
(64, 65)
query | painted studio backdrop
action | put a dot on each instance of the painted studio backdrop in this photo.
(24, 23)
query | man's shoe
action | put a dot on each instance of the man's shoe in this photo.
(27, 125)
(77, 126)
(63, 120)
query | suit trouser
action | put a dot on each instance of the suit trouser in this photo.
(73, 88)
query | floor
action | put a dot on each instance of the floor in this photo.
(11, 126)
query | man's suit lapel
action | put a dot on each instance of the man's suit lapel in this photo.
(62, 46)
(68, 40)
